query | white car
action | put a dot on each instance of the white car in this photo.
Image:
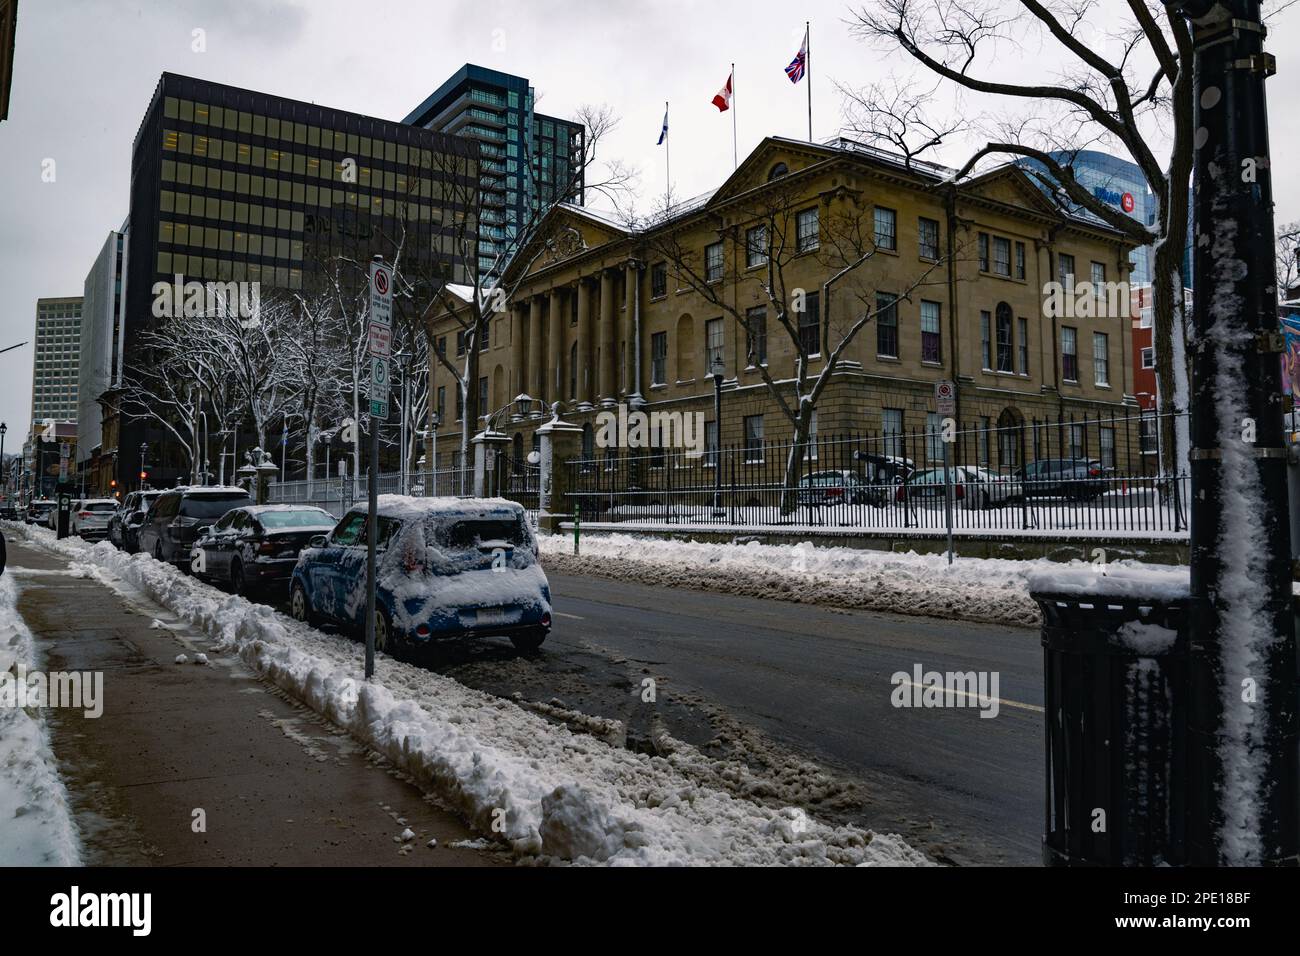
(90, 516)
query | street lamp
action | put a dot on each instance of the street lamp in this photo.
(718, 369)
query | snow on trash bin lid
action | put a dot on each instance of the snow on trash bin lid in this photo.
(1119, 579)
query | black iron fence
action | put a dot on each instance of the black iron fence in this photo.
(1068, 476)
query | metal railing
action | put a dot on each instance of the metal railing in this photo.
(337, 495)
(1065, 477)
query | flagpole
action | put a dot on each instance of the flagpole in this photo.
(735, 155)
(807, 55)
(668, 176)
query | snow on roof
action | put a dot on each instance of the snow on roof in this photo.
(211, 490)
(264, 509)
(466, 292)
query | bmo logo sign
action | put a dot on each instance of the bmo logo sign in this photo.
(1125, 201)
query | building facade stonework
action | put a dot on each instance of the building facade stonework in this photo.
(599, 312)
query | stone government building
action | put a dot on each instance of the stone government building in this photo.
(601, 316)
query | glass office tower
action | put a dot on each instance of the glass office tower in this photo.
(529, 160)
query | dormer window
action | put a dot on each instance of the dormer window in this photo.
(779, 170)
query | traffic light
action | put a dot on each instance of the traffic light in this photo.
(144, 475)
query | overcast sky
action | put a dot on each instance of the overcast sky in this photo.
(85, 70)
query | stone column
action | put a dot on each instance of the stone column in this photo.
(533, 380)
(635, 273)
(607, 386)
(517, 365)
(555, 364)
(560, 441)
(586, 374)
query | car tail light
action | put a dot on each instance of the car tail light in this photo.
(959, 492)
(83, 514)
(834, 492)
(1094, 473)
(266, 547)
(422, 632)
(546, 619)
(898, 496)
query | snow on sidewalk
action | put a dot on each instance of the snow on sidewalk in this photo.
(551, 794)
(36, 827)
(973, 589)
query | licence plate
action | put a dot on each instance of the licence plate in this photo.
(490, 615)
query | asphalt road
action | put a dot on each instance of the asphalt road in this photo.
(968, 787)
(777, 686)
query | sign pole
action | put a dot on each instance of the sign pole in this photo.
(380, 336)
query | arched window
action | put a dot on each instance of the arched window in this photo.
(1009, 427)
(777, 171)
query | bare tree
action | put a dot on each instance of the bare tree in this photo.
(476, 280)
(1132, 98)
(1288, 260)
(895, 112)
(764, 229)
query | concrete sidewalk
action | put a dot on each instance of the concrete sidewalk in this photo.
(279, 786)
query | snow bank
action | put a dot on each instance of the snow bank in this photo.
(548, 793)
(36, 827)
(972, 589)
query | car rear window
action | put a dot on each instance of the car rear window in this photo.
(210, 506)
(470, 532)
(101, 506)
(306, 518)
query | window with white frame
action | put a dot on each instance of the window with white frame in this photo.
(886, 222)
(713, 262)
(891, 431)
(1005, 343)
(756, 246)
(1069, 353)
(753, 438)
(1001, 256)
(713, 343)
(1149, 358)
(931, 336)
(1100, 358)
(659, 358)
(808, 230)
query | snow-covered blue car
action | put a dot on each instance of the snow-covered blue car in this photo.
(446, 568)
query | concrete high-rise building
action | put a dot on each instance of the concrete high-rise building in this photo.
(56, 359)
(232, 185)
(101, 344)
(530, 160)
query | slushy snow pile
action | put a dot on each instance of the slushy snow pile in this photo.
(550, 794)
(36, 827)
(972, 589)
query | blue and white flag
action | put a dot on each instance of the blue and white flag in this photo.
(663, 133)
(284, 435)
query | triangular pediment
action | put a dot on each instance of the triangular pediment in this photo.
(564, 232)
(764, 164)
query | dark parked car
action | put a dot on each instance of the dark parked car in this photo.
(172, 525)
(124, 526)
(837, 488)
(38, 512)
(447, 568)
(1076, 478)
(254, 546)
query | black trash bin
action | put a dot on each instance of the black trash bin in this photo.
(1116, 696)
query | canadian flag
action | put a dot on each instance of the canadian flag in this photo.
(723, 100)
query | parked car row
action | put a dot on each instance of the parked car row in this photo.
(446, 567)
(884, 479)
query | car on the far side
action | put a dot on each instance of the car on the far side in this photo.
(90, 516)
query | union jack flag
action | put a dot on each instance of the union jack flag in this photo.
(800, 62)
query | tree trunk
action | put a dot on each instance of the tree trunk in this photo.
(795, 459)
